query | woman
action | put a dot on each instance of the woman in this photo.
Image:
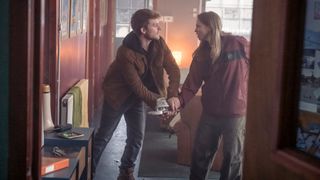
(220, 65)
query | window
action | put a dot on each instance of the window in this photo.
(236, 15)
(124, 11)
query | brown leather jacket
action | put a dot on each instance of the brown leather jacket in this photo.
(124, 75)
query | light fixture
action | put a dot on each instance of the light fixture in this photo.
(177, 56)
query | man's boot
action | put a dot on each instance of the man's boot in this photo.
(126, 174)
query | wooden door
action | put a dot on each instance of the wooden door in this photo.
(276, 51)
(26, 38)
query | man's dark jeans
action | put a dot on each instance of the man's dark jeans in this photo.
(133, 111)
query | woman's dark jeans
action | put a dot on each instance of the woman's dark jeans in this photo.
(205, 145)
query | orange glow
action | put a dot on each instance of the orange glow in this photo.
(177, 56)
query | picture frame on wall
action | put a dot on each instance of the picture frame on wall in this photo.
(64, 18)
(75, 18)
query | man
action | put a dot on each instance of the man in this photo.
(221, 66)
(135, 77)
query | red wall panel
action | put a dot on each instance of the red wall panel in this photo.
(72, 62)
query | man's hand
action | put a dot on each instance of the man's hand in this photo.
(174, 104)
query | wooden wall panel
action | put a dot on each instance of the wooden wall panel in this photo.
(106, 52)
(51, 54)
(101, 40)
(72, 62)
(91, 54)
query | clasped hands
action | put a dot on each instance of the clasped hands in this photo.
(175, 105)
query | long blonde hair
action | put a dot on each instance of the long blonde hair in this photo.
(213, 21)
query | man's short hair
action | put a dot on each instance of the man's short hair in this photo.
(141, 19)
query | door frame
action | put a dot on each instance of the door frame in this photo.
(273, 93)
(25, 70)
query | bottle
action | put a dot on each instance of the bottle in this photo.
(46, 110)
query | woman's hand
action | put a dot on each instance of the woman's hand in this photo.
(174, 104)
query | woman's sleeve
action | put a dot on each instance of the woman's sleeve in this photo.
(192, 83)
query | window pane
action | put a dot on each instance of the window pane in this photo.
(122, 30)
(246, 13)
(236, 15)
(231, 13)
(123, 3)
(124, 11)
(230, 2)
(219, 11)
(246, 2)
(123, 16)
(231, 26)
(245, 26)
(137, 4)
(213, 3)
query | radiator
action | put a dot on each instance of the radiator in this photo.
(66, 111)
